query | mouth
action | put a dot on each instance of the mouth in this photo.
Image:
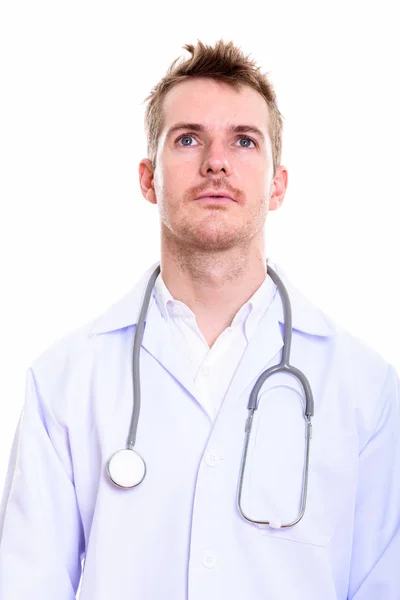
(215, 198)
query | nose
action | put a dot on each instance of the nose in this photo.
(215, 160)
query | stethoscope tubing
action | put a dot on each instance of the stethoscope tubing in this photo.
(283, 366)
(136, 357)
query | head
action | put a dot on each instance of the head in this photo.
(213, 127)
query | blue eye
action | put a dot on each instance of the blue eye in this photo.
(186, 140)
(247, 143)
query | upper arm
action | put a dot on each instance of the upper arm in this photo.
(41, 535)
(376, 542)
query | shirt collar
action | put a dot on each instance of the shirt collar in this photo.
(306, 317)
(248, 315)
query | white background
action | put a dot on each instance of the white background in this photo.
(75, 232)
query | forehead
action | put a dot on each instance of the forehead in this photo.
(214, 104)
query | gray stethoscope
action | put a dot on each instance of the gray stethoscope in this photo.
(126, 468)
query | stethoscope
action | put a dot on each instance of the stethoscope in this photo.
(126, 468)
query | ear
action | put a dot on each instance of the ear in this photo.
(278, 189)
(146, 180)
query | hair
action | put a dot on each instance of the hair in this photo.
(223, 62)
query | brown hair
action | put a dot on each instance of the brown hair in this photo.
(226, 63)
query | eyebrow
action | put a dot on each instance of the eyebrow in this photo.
(201, 129)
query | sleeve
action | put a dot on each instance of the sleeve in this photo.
(375, 567)
(41, 534)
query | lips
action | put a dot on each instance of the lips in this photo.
(216, 196)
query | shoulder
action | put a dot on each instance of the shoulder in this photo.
(73, 350)
(367, 384)
(59, 360)
(364, 379)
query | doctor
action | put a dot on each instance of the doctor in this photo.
(214, 324)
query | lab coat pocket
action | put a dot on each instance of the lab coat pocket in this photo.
(274, 473)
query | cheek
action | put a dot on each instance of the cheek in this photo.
(265, 179)
(158, 180)
(257, 186)
(253, 171)
(173, 179)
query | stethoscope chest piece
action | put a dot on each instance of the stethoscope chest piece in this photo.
(126, 468)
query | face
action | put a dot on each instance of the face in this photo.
(214, 142)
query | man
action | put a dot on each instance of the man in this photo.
(214, 324)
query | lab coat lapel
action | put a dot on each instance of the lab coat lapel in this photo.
(157, 338)
(263, 347)
(261, 350)
(160, 343)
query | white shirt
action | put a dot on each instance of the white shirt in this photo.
(179, 535)
(213, 368)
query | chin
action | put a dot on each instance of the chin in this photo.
(212, 242)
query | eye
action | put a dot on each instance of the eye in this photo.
(185, 140)
(246, 142)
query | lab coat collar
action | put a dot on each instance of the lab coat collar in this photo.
(306, 317)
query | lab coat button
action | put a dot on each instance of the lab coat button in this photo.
(212, 459)
(209, 560)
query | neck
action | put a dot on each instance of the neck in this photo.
(214, 285)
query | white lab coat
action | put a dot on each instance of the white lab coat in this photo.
(179, 535)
